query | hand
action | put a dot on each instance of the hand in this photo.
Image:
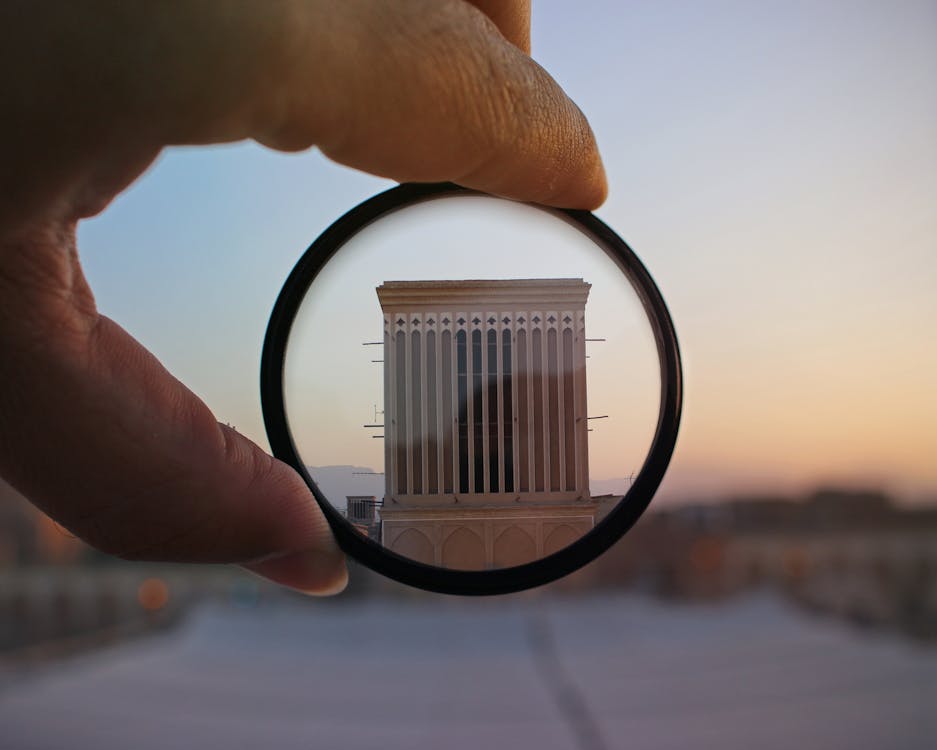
(93, 429)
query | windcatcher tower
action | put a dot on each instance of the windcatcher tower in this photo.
(486, 455)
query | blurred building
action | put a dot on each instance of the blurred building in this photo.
(486, 458)
(854, 554)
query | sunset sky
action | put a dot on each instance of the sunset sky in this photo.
(775, 166)
(465, 238)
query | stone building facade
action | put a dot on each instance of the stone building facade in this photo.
(486, 454)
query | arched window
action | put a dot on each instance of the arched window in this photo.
(507, 413)
(462, 377)
(554, 397)
(432, 427)
(538, 401)
(492, 388)
(569, 426)
(416, 414)
(523, 433)
(477, 433)
(445, 383)
(400, 411)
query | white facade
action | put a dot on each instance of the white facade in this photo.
(484, 401)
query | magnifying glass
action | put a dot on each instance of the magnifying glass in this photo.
(482, 395)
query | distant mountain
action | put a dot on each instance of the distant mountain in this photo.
(609, 486)
(337, 482)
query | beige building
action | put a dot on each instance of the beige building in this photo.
(486, 455)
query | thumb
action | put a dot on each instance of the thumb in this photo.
(101, 437)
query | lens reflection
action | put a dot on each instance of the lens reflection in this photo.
(447, 395)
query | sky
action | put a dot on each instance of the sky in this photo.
(774, 164)
(464, 238)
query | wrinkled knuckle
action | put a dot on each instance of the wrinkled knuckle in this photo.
(475, 84)
(498, 105)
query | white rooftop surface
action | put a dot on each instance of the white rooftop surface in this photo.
(594, 673)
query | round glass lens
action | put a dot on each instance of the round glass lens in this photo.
(471, 383)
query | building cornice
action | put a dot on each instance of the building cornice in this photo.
(488, 295)
(583, 510)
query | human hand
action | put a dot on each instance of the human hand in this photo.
(93, 429)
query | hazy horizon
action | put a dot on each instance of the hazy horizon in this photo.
(681, 490)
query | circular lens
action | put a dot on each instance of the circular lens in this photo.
(481, 393)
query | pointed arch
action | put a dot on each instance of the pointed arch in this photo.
(414, 545)
(514, 546)
(463, 550)
(560, 538)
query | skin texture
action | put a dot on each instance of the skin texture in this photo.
(93, 429)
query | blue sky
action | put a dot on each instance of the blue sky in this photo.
(773, 163)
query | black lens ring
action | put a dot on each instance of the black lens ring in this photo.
(502, 580)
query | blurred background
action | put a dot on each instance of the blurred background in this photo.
(775, 166)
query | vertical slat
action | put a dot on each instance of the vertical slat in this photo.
(390, 477)
(440, 441)
(470, 405)
(408, 412)
(537, 387)
(529, 395)
(561, 417)
(459, 447)
(515, 438)
(545, 396)
(486, 454)
(582, 455)
(499, 379)
(424, 432)
(454, 396)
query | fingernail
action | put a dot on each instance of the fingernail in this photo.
(315, 572)
(319, 573)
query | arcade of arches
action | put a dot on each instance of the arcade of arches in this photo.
(483, 538)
